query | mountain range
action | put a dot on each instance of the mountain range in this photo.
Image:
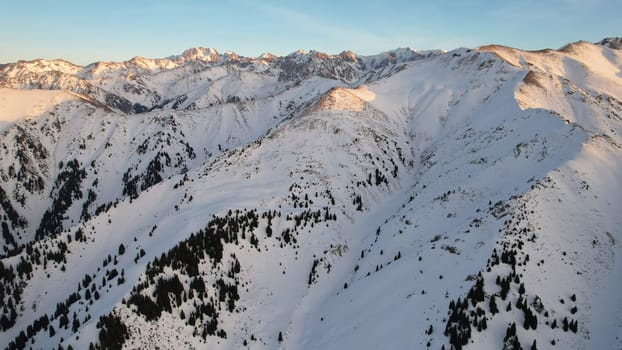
(410, 199)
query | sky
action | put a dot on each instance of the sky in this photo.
(112, 30)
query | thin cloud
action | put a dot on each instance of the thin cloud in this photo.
(320, 27)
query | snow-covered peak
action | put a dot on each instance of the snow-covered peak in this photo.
(575, 47)
(232, 57)
(612, 43)
(396, 56)
(267, 57)
(151, 64)
(581, 60)
(312, 55)
(200, 54)
(298, 54)
(38, 66)
(348, 56)
(99, 68)
(340, 99)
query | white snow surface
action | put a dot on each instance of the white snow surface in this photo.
(20, 104)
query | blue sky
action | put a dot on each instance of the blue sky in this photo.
(87, 31)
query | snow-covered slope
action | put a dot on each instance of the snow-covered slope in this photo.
(409, 199)
(19, 104)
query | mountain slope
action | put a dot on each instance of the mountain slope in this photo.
(408, 199)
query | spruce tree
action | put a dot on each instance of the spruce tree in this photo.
(493, 305)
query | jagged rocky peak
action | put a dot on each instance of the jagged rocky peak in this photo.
(231, 56)
(313, 55)
(399, 55)
(612, 43)
(200, 54)
(403, 52)
(266, 56)
(319, 55)
(348, 56)
(298, 54)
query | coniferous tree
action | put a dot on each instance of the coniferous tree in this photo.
(493, 305)
(75, 325)
(573, 326)
(268, 231)
(510, 341)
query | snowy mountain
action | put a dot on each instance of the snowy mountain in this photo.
(462, 199)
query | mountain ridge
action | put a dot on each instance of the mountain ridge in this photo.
(131, 96)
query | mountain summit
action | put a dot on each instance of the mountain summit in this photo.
(410, 199)
(612, 43)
